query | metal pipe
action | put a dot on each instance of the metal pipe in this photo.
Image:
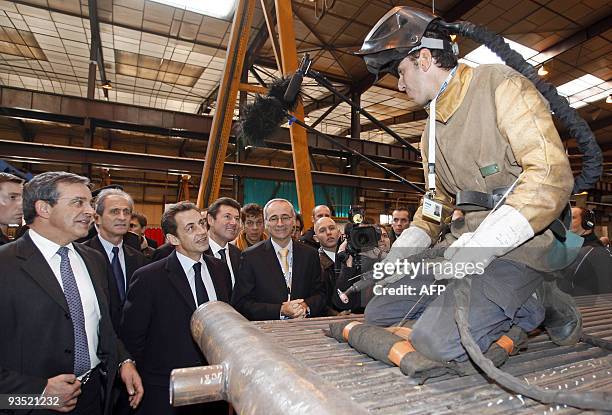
(197, 385)
(261, 375)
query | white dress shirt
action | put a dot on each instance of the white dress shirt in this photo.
(330, 254)
(215, 248)
(91, 308)
(187, 264)
(108, 248)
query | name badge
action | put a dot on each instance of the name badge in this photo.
(432, 210)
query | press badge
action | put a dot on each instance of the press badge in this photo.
(432, 210)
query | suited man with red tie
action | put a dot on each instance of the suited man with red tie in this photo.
(160, 301)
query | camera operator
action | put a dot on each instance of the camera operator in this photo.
(355, 261)
(327, 233)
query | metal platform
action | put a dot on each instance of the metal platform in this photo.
(381, 389)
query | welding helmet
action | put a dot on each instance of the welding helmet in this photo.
(397, 34)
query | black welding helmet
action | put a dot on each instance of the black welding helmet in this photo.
(398, 33)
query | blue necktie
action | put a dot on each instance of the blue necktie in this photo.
(82, 362)
(118, 273)
(201, 294)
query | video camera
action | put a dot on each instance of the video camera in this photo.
(360, 237)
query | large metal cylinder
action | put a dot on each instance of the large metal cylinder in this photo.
(200, 384)
(261, 376)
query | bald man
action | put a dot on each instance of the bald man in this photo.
(320, 211)
(327, 234)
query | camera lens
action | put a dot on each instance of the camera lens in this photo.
(363, 239)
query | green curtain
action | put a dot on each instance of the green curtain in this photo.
(260, 191)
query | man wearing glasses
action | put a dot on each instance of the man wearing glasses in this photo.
(57, 336)
(279, 278)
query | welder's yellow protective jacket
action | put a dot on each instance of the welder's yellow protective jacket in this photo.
(493, 126)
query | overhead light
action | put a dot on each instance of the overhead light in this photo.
(542, 71)
(597, 97)
(107, 85)
(609, 99)
(579, 84)
(220, 9)
(578, 104)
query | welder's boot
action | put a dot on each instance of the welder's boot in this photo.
(498, 352)
(562, 321)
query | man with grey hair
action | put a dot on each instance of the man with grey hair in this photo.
(279, 278)
(57, 336)
(112, 217)
(11, 211)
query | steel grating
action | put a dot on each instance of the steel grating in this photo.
(382, 389)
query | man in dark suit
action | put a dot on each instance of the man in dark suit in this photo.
(113, 213)
(57, 337)
(11, 212)
(161, 299)
(223, 217)
(279, 278)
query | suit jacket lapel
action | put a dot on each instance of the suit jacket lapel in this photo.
(235, 258)
(130, 265)
(217, 279)
(96, 244)
(296, 271)
(95, 274)
(99, 282)
(37, 267)
(178, 279)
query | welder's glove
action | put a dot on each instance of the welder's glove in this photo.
(412, 241)
(501, 232)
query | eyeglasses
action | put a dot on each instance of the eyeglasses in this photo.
(284, 219)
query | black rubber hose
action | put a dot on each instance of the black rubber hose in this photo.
(577, 127)
(584, 400)
(597, 341)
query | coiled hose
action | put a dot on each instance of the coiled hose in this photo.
(577, 127)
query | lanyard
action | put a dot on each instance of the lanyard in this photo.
(431, 164)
